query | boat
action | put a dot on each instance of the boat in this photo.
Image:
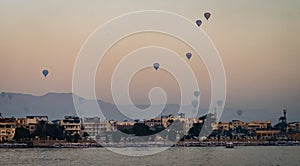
(229, 145)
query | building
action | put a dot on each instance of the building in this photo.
(294, 127)
(224, 126)
(124, 125)
(71, 124)
(253, 126)
(154, 123)
(21, 122)
(92, 126)
(7, 129)
(237, 123)
(266, 134)
(166, 120)
(33, 121)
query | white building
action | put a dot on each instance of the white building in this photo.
(92, 126)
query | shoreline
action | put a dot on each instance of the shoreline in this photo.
(143, 144)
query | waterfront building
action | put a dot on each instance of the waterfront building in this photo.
(294, 127)
(124, 125)
(91, 126)
(33, 121)
(266, 134)
(237, 123)
(71, 124)
(21, 122)
(255, 125)
(153, 123)
(7, 129)
(94, 127)
(224, 126)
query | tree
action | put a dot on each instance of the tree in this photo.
(140, 129)
(54, 131)
(76, 137)
(21, 134)
(85, 135)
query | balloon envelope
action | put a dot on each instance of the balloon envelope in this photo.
(207, 15)
(196, 93)
(45, 73)
(188, 55)
(156, 66)
(199, 22)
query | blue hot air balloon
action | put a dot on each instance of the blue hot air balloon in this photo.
(207, 15)
(45, 72)
(239, 112)
(198, 22)
(188, 55)
(196, 93)
(156, 66)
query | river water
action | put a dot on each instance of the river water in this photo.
(255, 155)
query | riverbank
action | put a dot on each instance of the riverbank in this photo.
(93, 144)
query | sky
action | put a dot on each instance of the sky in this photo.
(257, 40)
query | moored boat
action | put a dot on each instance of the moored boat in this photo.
(229, 145)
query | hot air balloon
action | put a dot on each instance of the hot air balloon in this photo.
(188, 55)
(198, 22)
(196, 93)
(195, 103)
(207, 15)
(45, 72)
(239, 112)
(156, 66)
(219, 102)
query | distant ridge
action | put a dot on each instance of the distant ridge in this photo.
(56, 106)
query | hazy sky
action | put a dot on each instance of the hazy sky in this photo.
(258, 41)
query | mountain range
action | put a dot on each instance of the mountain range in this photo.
(58, 105)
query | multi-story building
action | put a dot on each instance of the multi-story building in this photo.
(294, 127)
(225, 126)
(237, 123)
(153, 123)
(252, 126)
(92, 126)
(71, 124)
(124, 125)
(21, 122)
(7, 129)
(33, 121)
(265, 134)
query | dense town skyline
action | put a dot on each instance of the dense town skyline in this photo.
(259, 50)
